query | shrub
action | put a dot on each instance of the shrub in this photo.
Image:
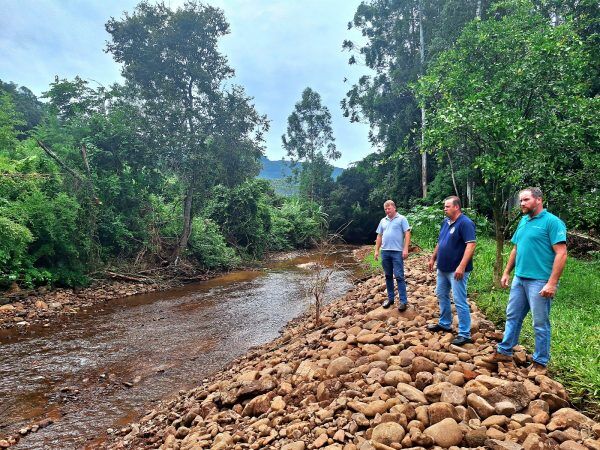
(297, 224)
(207, 246)
(14, 240)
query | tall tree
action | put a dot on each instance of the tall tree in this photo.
(396, 34)
(511, 100)
(26, 103)
(171, 58)
(309, 139)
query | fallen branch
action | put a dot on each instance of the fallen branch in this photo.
(125, 277)
(585, 237)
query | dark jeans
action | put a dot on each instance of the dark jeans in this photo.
(393, 267)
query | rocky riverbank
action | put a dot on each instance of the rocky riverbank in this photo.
(369, 378)
(43, 306)
(23, 308)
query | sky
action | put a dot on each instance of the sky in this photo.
(276, 47)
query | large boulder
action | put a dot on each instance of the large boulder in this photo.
(339, 366)
(411, 393)
(513, 392)
(445, 433)
(569, 418)
(388, 433)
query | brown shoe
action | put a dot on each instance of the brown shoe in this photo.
(496, 358)
(536, 369)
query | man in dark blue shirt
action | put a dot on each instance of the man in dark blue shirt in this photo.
(454, 254)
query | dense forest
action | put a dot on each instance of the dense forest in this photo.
(476, 98)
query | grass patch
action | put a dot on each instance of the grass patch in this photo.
(575, 318)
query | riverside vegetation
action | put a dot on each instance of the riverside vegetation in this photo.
(96, 178)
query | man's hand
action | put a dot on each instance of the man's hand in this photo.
(459, 273)
(504, 280)
(404, 254)
(376, 255)
(431, 264)
(548, 290)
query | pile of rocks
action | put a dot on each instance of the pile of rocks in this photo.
(369, 378)
(23, 308)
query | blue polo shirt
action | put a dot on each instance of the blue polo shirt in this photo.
(452, 243)
(392, 231)
(534, 239)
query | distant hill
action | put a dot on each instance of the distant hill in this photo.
(275, 170)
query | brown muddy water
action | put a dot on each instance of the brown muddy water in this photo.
(107, 366)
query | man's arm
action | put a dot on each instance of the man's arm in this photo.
(459, 273)
(433, 257)
(377, 246)
(406, 244)
(510, 264)
(560, 259)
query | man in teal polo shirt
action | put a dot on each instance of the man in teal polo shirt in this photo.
(539, 256)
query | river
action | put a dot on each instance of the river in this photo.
(108, 365)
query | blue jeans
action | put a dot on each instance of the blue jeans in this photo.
(525, 296)
(445, 282)
(393, 267)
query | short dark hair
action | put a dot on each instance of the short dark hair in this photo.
(455, 200)
(536, 192)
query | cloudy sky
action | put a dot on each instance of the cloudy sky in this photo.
(277, 48)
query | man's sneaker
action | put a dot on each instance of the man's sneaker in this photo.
(402, 306)
(496, 358)
(436, 327)
(461, 340)
(387, 303)
(536, 369)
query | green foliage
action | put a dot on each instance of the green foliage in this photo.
(296, 224)
(511, 90)
(208, 247)
(9, 120)
(14, 239)
(243, 214)
(26, 104)
(60, 244)
(426, 220)
(196, 129)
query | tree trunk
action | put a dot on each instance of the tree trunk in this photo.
(187, 225)
(499, 234)
(423, 119)
(452, 174)
(470, 193)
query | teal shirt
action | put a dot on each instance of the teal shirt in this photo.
(534, 239)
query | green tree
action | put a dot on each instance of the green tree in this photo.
(398, 53)
(309, 139)
(25, 103)
(196, 127)
(508, 100)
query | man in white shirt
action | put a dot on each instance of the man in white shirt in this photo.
(393, 239)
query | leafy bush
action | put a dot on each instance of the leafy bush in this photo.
(14, 239)
(296, 224)
(243, 213)
(61, 245)
(207, 246)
